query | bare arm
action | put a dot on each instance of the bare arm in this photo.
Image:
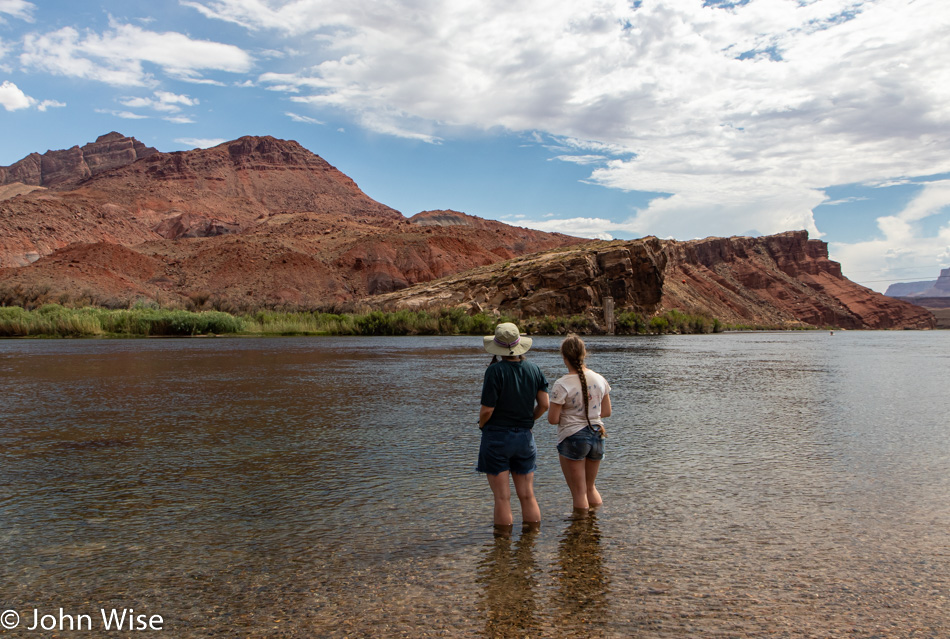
(542, 405)
(554, 414)
(484, 414)
(605, 406)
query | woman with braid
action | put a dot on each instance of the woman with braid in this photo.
(579, 402)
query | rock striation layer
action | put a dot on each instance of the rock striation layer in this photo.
(781, 280)
(66, 168)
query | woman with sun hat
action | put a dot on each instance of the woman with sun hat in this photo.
(514, 395)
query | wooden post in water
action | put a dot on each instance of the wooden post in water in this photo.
(609, 314)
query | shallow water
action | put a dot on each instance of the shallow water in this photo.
(768, 484)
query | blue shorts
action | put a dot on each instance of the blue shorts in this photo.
(503, 450)
(584, 444)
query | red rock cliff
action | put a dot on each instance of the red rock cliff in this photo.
(66, 168)
(780, 280)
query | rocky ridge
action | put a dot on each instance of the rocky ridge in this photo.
(253, 222)
(62, 169)
(780, 280)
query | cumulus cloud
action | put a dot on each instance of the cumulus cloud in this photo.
(12, 98)
(741, 113)
(118, 56)
(905, 251)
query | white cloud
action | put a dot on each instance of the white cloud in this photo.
(389, 122)
(844, 200)
(743, 115)
(302, 118)
(592, 228)
(201, 143)
(906, 252)
(118, 56)
(18, 9)
(162, 101)
(125, 115)
(297, 17)
(179, 119)
(581, 159)
(12, 98)
(50, 104)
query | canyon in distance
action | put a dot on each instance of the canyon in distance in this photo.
(261, 222)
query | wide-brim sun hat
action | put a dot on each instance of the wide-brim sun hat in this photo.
(507, 341)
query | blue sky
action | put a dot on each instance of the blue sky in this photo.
(601, 118)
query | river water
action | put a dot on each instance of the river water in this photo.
(755, 484)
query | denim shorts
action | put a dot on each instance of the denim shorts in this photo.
(503, 450)
(584, 444)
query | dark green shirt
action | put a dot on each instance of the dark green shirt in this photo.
(511, 389)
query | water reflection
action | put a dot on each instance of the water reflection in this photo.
(581, 598)
(508, 576)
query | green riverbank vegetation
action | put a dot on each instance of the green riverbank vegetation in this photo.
(55, 320)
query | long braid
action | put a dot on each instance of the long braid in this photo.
(574, 352)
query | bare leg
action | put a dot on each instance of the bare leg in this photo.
(524, 487)
(574, 473)
(501, 489)
(590, 471)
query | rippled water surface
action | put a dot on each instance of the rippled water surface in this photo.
(786, 484)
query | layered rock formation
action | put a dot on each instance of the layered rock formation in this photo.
(257, 221)
(780, 280)
(777, 280)
(62, 169)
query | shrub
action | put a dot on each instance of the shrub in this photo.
(629, 322)
(659, 324)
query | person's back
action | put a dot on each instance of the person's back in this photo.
(579, 402)
(576, 413)
(514, 395)
(511, 387)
